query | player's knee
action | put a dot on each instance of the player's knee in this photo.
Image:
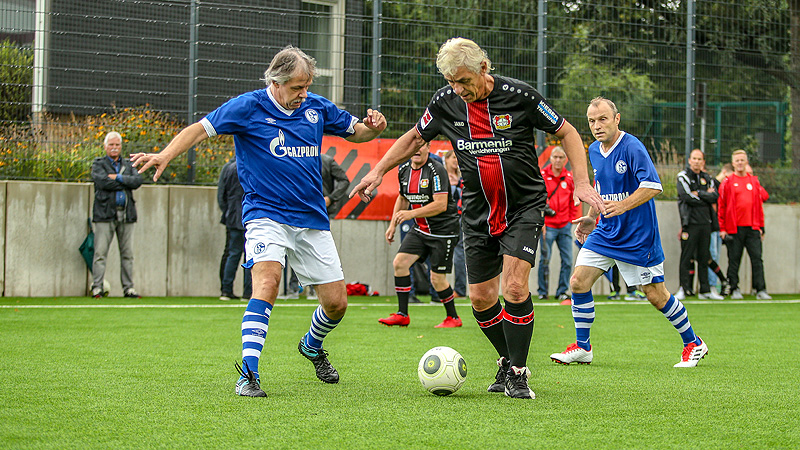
(515, 290)
(399, 264)
(335, 307)
(578, 285)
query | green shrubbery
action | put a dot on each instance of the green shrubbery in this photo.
(62, 149)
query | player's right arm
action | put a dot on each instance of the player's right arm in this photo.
(586, 224)
(399, 152)
(186, 139)
(400, 204)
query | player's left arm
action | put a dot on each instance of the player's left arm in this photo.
(370, 128)
(640, 196)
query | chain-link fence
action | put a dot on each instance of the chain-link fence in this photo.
(73, 69)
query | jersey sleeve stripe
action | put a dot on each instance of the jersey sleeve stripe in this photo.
(651, 185)
(210, 131)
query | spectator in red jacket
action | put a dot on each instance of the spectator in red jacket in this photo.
(741, 223)
(559, 214)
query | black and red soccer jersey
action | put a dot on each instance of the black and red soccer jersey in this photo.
(494, 142)
(418, 187)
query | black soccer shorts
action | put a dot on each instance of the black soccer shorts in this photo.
(440, 249)
(484, 253)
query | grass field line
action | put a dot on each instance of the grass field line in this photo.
(243, 304)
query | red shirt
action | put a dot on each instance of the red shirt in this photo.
(562, 187)
(741, 203)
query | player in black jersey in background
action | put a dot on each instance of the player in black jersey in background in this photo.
(491, 121)
(425, 197)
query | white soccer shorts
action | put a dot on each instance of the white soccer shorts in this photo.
(311, 253)
(633, 275)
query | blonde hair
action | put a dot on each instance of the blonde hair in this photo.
(448, 154)
(461, 52)
(738, 152)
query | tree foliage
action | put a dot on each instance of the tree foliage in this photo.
(16, 71)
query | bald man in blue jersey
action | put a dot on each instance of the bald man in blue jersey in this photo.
(626, 235)
(278, 135)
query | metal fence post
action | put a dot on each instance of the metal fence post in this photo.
(192, 106)
(690, 60)
(541, 62)
(376, 54)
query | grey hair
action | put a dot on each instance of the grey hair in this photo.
(461, 52)
(288, 61)
(597, 100)
(112, 134)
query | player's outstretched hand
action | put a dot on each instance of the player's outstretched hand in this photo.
(375, 120)
(366, 188)
(614, 208)
(585, 226)
(588, 194)
(148, 160)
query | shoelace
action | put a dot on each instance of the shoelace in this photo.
(687, 352)
(245, 372)
(571, 347)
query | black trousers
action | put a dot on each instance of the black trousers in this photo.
(750, 239)
(694, 246)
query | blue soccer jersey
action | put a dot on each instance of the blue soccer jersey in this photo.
(631, 237)
(277, 153)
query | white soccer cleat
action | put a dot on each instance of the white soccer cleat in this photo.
(710, 296)
(736, 294)
(692, 354)
(762, 295)
(573, 354)
(680, 295)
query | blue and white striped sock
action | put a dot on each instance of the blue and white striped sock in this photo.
(321, 325)
(676, 313)
(583, 315)
(255, 324)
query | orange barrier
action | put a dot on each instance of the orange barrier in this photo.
(358, 159)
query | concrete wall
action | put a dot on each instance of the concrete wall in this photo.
(178, 243)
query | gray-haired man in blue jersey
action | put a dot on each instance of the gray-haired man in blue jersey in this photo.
(278, 135)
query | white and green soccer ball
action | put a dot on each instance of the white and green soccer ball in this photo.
(442, 370)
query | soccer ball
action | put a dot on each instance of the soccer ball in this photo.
(442, 370)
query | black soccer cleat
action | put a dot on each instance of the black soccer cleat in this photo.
(319, 358)
(517, 383)
(248, 385)
(499, 384)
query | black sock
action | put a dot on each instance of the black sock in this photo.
(402, 286)
(447, 296)
(717, 271)
(518, 328)
(491, 323)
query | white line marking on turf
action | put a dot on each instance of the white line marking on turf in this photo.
(243, 305)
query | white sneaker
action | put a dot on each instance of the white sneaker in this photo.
(572, 354)
(736, 294)
(692, 354)
(680, 295)
(762, 295)
(710, 296)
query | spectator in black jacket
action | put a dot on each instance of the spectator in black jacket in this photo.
(696, 197)
(229, 197)
(114, 212)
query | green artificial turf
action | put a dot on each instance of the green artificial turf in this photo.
(163, 377)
